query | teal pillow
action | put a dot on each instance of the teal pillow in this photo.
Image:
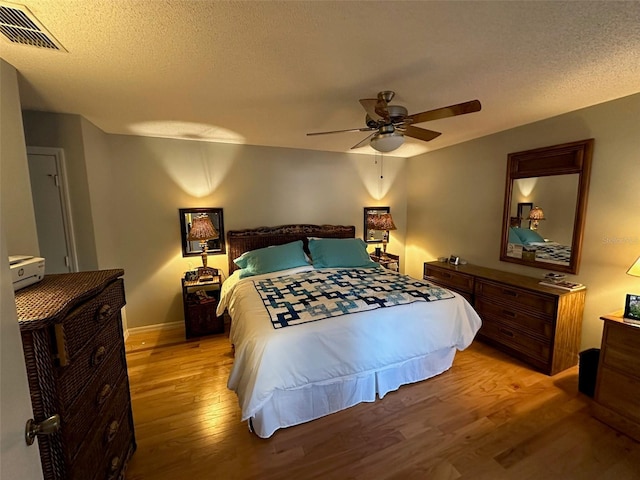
(513, 237)
(339, 252)
(271, 259)
(528, 236)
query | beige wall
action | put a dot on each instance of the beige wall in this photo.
(153, 178)
(66, 132)
(16, 207)
(455, 198)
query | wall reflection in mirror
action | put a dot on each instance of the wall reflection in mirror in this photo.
(545, 204)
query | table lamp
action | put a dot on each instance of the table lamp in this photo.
(202, 230)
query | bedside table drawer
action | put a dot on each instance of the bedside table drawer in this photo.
(621, 351)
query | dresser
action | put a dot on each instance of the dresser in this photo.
(71, 328)
(540, 325)
(618, 383)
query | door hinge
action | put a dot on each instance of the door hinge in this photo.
(66, 261)
(56, 180)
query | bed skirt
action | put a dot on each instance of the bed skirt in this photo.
(287, 408)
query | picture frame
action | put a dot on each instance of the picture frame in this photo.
(373, 236)
(214, 247)
(632, 307)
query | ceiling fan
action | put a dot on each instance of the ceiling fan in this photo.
(390, 123)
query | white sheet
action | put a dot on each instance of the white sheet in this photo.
(341, 351)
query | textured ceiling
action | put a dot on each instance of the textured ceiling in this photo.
(266, 73)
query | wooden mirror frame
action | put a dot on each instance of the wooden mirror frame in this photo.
(567, 158)
(214, 247)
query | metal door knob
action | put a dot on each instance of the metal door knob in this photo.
(46, 427)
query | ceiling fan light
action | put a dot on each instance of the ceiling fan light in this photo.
(387, 142)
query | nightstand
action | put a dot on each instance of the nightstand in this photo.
(200, 300)
(618, 382)
(389, 261)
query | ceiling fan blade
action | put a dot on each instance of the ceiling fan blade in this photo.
(371, 107)
(365, 141)
(364, 129)
(445, 112)
(420, 133)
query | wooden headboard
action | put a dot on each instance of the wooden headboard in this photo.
(240, 241)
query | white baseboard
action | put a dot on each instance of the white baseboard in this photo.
(152, 328)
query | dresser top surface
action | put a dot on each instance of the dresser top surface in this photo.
(514, 279)
(55, 295)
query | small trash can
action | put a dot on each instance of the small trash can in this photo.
(588, 371)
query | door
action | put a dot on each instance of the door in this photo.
(18, 460)
(52, 210)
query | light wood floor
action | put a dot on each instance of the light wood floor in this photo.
(488, 417)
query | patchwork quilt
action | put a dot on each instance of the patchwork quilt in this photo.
(319, 294)
(553, 253)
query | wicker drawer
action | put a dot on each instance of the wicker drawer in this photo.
(619, 392)
(514, 318)
(96, 399)
(513, 338)
(81, 325)
(535, 303)
(455, 280)
(76, 376)
(106, 432)
(621, 351)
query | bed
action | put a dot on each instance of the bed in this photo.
(523, 241)
(289, 370)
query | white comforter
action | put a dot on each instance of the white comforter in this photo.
(332, 349)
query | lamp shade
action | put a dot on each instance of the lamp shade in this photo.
(202, 229)
(383, 222)
(386, 142)
(536, 213)
(635, 268)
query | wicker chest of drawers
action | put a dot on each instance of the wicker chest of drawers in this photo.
(71, 329)
(537, 324)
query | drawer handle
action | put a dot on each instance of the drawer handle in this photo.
(104, 393)
(104, 312)
(508, 333)
(511, 293)
(114, 466)
(98, 356)
(509, 313)
(111, 430)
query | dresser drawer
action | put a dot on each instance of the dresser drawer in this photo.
(621, 350)
(513, 338)
(619, 392)
(108, 432)
(76, 376)
(514, 318)
(534, 303)
(82, 324)
(455, 280)
(79, 418)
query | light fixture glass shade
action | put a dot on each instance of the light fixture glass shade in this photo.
(387, 142)
(202, 229)
(635, 268)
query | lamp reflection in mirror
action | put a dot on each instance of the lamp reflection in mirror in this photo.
(201, 231)
(383, 222)
(535, 215)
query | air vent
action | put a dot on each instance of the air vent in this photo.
(19, 25)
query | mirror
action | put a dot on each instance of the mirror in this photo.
(214, 246)
(545, 205)
(370, 235)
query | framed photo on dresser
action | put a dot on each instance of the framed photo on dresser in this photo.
(632, 308)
